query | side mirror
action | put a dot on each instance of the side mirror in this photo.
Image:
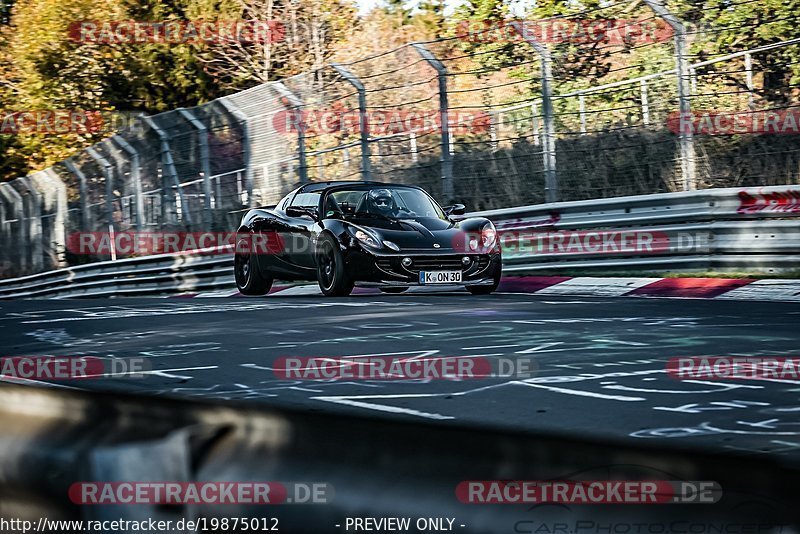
(301, 211)
(455, 209)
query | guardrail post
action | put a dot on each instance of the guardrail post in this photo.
(59, 222)
(136, 178)
(645, 103)
(686, 139)
(168, 167)
(551, 193)
(297, 106)
(83, 193)
(108, 173)
(33, 220)
(205, 164)
(446, 159)
(363, 122)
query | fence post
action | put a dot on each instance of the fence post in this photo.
(446, 159)
(168, 167)
(297, 105)
(748, 67)
(8, 248)
(136, 178)
(34, 222)
(17, 213)
(248, 173)
(108, 174)
(645, 103)
(493, 119)
(205, 164)
(83, 193)
(59, 224)
(686, 139)
(363, 123)
(114, 155)
(551, 193)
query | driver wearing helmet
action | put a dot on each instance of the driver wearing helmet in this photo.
(381, 201)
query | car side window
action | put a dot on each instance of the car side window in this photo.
(306, 200)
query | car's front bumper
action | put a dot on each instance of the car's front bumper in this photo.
(386, 270)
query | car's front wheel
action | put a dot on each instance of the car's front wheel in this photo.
(331, 272)
(485, 290)
(249, 280)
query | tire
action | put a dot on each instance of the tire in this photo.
(393, 289)
(248, 278)
(331, 273)
(486, 290)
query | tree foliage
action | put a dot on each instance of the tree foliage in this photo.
(42, 67)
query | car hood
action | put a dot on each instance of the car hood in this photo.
(420, 234)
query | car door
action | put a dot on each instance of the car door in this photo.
(301, 231)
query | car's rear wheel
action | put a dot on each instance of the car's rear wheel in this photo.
(249, 279)
(331, 273)
(393, 289)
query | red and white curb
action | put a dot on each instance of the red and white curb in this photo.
(702, 288)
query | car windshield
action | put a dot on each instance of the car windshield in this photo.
(382, 202)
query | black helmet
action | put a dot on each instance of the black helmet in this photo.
(382, 199)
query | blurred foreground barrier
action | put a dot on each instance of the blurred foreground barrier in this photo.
(54, 438)
(747, 229)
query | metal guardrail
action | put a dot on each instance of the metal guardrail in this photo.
(754, 229)
(164, 273)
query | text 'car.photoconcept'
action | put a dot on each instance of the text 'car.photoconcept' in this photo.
(344, 234)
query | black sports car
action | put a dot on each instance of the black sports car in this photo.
(368, 234)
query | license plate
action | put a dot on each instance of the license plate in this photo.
(440, 277)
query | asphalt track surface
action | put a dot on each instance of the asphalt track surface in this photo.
(600, 362)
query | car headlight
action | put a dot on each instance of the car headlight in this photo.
(485, 239)
(367, 238)
(488, 235)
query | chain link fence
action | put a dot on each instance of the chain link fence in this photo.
(497, 115)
